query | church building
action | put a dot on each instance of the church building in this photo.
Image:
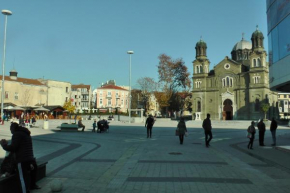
(237, 87)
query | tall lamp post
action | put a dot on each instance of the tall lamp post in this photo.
(130, 53)
(6, 13)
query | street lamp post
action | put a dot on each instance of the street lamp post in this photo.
(6, 13)
(130, 53)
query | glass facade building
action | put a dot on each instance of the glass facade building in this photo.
(278, 17)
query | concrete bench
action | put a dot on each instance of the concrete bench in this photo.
(11, 184)
(69, 127)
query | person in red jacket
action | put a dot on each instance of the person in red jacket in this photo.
(21, 146)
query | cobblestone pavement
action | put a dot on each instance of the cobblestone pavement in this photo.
(124, 160)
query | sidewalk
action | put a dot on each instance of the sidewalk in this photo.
(124, 160)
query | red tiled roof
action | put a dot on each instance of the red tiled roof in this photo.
(81, 86)
(23, 80)
(112, 87)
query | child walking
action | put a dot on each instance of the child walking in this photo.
(94, 126)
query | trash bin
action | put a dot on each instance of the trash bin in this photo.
(45, 125)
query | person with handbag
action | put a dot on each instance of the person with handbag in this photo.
(181, 129)
(251, 134)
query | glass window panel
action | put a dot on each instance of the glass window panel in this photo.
(284, 37)
(275, 45)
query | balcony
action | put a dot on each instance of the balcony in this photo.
(109, 96)
(117, 96)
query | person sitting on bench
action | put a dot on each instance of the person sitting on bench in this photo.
(80, 124)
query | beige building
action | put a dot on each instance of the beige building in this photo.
(23, 91)
(58, 92)
(237, 87)
(111, 96)
(284, 105)
(81, 96)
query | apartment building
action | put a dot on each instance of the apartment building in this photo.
(111, 97)
(81, 97)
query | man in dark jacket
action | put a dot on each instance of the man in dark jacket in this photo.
(149, 124)
(262, 129)
(273, 128)
(206, 125)
(21, 146)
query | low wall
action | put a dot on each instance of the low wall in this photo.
(133, 119)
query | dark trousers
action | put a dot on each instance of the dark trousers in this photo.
(207, 133)
(181, 137)
(94, 129)
(274, 136)
(27, 175)
(261, 137)
(250, 145)
(82, 126)
(149, 132)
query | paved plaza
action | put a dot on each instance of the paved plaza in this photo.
(124, 160)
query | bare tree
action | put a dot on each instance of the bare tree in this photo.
(147, 86)
(26, 98)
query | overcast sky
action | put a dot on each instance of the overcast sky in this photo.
(86, 41)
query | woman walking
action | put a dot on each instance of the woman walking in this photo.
(181, 129)
(251, 134)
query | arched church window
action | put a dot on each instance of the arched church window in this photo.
(255, 62)
(227, 81)
(198, 106)
(257, 105)
(259, 62)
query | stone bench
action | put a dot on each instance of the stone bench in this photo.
(11, 184)
(69, 127)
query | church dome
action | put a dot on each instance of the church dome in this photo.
(258, 34)
(243, 44)
(201, 43)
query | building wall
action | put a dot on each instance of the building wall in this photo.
(284, 105)
(112, 98)
(82, 97)
(58, 92)
(24, 94)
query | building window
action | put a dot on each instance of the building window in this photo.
(199, 69)
(75, 103)
(109, 102)
(66, 89)
(101, 93)
(198, 106)
(197, 84)
(101, 102)
(227, 81)
(285, 96)
(76, 96)
(257, 105)
(109, 94)
(16, 96)
(6, 94)
(256, 79)
(122, 102)
(66, 99)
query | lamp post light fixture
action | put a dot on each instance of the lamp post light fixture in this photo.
(6, 13)
(130, 53)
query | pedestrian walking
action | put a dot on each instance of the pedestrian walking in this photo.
(262, 130)
(181, 129)
(149, 125)
(94, 126)
(207, 130)
(21, 146)
(273, 128)
(251, 134)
